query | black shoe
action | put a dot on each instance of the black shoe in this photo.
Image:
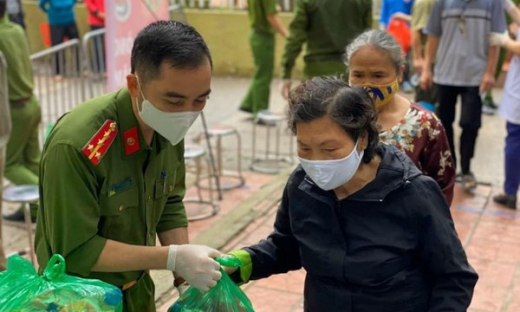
(506, 200)
(246, 109)
(488, 110)
(491, 104)
(18, 216)
(262, 122)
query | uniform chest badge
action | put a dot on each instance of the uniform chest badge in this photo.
(131, 138)
(99, 144)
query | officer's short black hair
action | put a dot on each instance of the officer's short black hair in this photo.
(3, 6)
(352, 108)
(176, 43)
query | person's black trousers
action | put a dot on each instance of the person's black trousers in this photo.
(470, 120)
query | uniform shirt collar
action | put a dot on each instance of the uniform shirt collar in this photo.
(129, 127)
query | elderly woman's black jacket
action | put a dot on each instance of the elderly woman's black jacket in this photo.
(390, 247)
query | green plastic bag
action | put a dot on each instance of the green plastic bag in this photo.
(22, 289)
(226, 296)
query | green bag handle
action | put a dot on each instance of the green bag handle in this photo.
(55, 268)
(229, 262)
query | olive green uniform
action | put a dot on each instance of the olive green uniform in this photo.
(262, 42)
(23, 150)
(327, 27)
(99, 181)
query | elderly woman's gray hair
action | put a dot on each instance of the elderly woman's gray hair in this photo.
(380, 40)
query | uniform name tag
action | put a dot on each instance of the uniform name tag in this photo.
(120, 187)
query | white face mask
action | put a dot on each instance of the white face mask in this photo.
(172, 126)
(330, 174)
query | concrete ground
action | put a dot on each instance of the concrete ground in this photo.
(490, 234)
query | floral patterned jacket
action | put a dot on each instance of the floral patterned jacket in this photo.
(422, 137)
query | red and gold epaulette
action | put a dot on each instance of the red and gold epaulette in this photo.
(97, 147)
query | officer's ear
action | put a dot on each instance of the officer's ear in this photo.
(132, 84)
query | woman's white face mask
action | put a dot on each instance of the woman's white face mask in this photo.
(331, 174)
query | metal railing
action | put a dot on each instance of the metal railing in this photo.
(70, 73)
(285, 5)
(177, 12)
(59, 81)
(5, 131)
(5, 115)
(94, 64)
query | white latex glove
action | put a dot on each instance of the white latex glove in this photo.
(196, 264)
(498, 39)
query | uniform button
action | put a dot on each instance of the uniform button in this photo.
(122, 207)
(149, 197)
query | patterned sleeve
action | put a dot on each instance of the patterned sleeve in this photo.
(436, 157)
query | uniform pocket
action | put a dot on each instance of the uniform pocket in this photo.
(165, 187)
(119, 214)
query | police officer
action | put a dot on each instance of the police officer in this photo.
(326, 27)
(112, 173)
(23, 149)
(264, 22)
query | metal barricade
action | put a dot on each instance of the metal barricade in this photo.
(5, 115)
(94, 63)
(59, 81)
(5, 131)
(177, 12)
(286, 5)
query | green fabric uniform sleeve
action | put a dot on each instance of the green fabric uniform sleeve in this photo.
(296, 39)
(420, 14)
(244, 272)
(174, 214)
(69, 208)
(270, 7)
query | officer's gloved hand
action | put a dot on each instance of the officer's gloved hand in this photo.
(196, 264)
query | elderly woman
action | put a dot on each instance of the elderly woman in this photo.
(375, 60)
(372, 232)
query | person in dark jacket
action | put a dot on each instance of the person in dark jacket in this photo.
(372, 231)
(62, 21)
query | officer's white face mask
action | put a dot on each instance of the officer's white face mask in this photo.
(173, 126)
(330, 174)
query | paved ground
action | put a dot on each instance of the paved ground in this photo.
(490, 234)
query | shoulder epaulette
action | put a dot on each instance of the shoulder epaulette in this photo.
(99, 144)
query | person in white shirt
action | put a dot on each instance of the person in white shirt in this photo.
(510, 111)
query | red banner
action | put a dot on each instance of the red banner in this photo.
(125, 18)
